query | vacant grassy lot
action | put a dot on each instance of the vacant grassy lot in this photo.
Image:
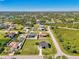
(30, 48)
(69, 40)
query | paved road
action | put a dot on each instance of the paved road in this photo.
(59, 51)
(68, 28)
(22, 57)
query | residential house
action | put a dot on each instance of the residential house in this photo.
(11, 35)
(12, 26)
(21, 39)
(31, 35)
(44, 44)
(13, 47)
(41, 34)
(37, 21)
(26, 29)
(42, 28)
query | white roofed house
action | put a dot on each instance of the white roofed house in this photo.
(26, 29)
(12, 26)
(42, 28)
(43, 35)
(28, 24)
(21, 39)
(37, 21)
(32, 35)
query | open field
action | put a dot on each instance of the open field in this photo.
(68, 40)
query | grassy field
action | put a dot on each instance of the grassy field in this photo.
(68, 40)
(30, 48)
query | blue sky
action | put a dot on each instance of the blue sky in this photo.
(39, 5)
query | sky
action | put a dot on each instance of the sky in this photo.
(39, 5)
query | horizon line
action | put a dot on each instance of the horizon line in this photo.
(40, 11)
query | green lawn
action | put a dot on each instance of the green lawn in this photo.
(30, 47)
(68, 40)
(2, 33)
(3, 41)
(49, 51)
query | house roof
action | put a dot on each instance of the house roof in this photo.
(32, 34)
(42, 34)
(44, 44)
(13, 44)
(42, 27)
(11, 35)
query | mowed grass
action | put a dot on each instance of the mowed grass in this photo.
(30, 47)
(51, 50)
(69, 40)
(2, 33)
(3, 40)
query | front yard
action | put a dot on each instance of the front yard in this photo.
(30, 47)
(49, 51)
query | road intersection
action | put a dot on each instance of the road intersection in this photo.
(59, 51)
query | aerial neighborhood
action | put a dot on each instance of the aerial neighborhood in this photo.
(18, 38)
(49, 35)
